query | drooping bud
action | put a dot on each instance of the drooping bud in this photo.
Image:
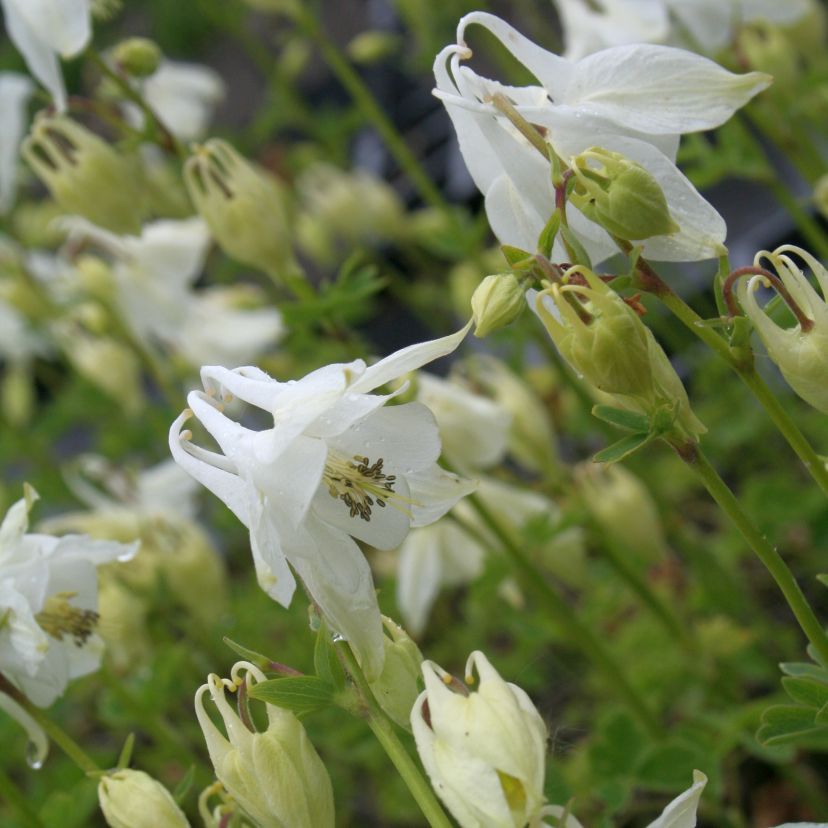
(624, 509)
(497, 301)
(396, 688)
(607, 344)
(85, 175)
(137, 56)
(483, 748)
(133, 799)
(277, 776)
(244, 206)
(620, 195)
(801, 351)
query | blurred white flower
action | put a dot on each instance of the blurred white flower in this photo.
(334, 467)
(473, 428)
(48, 604)
(154, 294)
(184, 96)
(484, 748)
(15, 91)
(43, 30)
(633, 100)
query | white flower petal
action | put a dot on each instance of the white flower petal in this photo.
(681, 812)
(38, 748)
(15, 91)
(434, 491)
(65, 25)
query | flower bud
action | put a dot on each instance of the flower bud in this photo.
(483, 749)
(243, 205)
(607, 344)
(85, 175)
(801, 354)
(133, 799)
(373, 46)
(623, 508)
(396, 688)
(620, 195)
(137, 56)
(277, 776)
(497, 301)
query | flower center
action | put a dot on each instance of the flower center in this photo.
(58, 618)
(358, 483)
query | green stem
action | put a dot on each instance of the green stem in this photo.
(560, 611)
(742, 364)
(724, 497)
(10, 792)
(370, 109)
(383, 729)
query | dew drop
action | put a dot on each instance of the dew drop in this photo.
(338, 637)
(36, 754)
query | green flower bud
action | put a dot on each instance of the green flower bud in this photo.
(277, 776)
(396, 687)
(133, 799)
(137, 56)
(85, 175)
(607, 344)
(498, 300)
(244, 206)
(801, 354)
(623, 508)
(620, 195)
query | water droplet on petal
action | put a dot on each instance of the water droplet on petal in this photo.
(36, 754)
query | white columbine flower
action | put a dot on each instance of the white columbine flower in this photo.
(48, 604)
(15, 91)
(484, 748)
(42, 30)
(184, 96)
(633, 100)
(154, 276)
(336, 466)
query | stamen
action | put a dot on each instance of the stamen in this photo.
(361, 485)
(58, 618)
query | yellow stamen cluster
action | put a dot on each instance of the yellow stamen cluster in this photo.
(359, 484)
(58, 618)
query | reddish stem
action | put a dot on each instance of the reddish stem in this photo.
(805, 323)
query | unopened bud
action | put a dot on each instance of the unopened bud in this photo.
(133, 799)
(484, 747)
(620, 195)
(498, 300)
(607, 344)
(276, 776)
(137, 56)
(85, 175)
(396, 687)
(800, 352)
(243, 205)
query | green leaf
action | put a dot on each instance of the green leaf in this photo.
(786, 723)
(623, 448)
(823, 579)
(546, 240)
(799, 669)
(808, 691)
(126, 752)
(514, 255)
(630, 420)
(183, 787)
(821, 717)
(261, 661)
(577, 250)
(325, 662)
(299, 694)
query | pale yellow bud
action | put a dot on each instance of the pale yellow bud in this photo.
(244, 206)
(85, 175)
(276, 776)
(396, 687)
(133, 799)
(137, 56)
(497, 301)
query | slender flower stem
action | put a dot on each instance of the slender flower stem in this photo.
(740, 362)
(11, 794)
(554, 603)
(724, 497)
(56, 733)
(383, 729)
(370, 108)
